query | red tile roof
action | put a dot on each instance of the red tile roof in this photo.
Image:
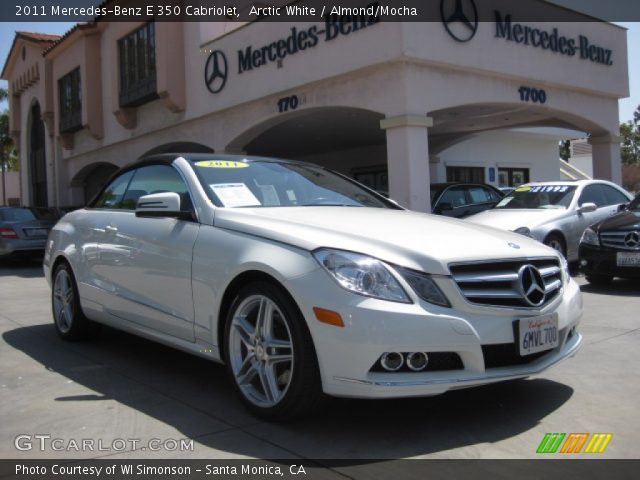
(38, 37)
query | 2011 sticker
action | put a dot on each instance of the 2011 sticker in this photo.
(221, 164)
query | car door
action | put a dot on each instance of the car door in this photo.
(90, 234)
(147, 261)
(481, 198)
(453, 202)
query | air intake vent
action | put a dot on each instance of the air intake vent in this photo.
(524, 283)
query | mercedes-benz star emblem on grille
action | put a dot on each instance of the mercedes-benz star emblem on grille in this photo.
(460, 18)
(215, 71)
(531, 285)
(632, 239)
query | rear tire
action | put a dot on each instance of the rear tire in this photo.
(599, 280)
(556, 242)
(269, 354)
(70, 322)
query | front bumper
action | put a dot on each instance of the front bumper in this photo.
(347, 356)
(603, 261)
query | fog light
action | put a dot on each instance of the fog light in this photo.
(392, 361)
(417, 361)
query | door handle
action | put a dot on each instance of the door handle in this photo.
(111, 228)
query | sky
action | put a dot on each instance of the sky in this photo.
(627, 105)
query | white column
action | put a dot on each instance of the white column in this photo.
(606, 158)
(408, 160)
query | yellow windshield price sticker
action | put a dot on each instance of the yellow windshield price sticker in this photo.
(523, 189)
(221, 164)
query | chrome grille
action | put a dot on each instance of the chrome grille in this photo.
(617, 240)
(497, 283)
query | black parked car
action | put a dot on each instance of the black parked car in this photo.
(611, 248)
(463, 199)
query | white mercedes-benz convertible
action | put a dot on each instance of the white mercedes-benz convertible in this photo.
(305, 283)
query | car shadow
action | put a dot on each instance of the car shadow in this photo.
(618, 287)
(21, 267)
(115, 363)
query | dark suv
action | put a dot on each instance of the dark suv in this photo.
(611, 248)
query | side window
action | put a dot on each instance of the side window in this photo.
(156, 179)
(112, 196)
(613, 196)
(453, 196)
(492, 195)
(592, 194)
(479, 195)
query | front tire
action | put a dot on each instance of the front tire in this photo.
(269, 354)
(70, 322)
(556, 242)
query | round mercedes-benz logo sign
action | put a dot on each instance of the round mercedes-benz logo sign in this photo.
(632, 239)
(215, 71)
(460, 18)
(531, 285)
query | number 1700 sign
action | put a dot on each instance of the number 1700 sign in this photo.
(535, 95)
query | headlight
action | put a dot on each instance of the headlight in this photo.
(590, 237)
(523, 231)
(361, 274)
(424, 286)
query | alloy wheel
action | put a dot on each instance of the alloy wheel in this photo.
(63, 301)
(261, 351)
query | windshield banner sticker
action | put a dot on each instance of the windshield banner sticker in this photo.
(221, 164)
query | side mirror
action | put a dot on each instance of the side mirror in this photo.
(165, 204)
(623, 207)
(442, 207)
(587, 207)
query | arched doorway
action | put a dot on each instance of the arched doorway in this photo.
(178, 147)
(348, 140)
(90, 180)
(37, 158)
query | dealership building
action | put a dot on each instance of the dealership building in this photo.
(482, 97)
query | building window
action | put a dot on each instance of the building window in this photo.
(70, 102)
(465, 174)
(512, 177)
(138, 66)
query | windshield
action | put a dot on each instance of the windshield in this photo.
(273, 184)
(17, 214)
(539, 197)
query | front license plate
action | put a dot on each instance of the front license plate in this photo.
(36, 232)
(537, 334)
(631, 259)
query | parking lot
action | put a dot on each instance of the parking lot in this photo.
(121, 387)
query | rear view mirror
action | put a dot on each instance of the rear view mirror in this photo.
(165, 204)
(588, 207)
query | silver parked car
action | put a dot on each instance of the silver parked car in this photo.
(23, 231)
(555, 213)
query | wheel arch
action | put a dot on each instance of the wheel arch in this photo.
(231, 292)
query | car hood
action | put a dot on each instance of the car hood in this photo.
(511, 219)
(411, 239)
(620, 221)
